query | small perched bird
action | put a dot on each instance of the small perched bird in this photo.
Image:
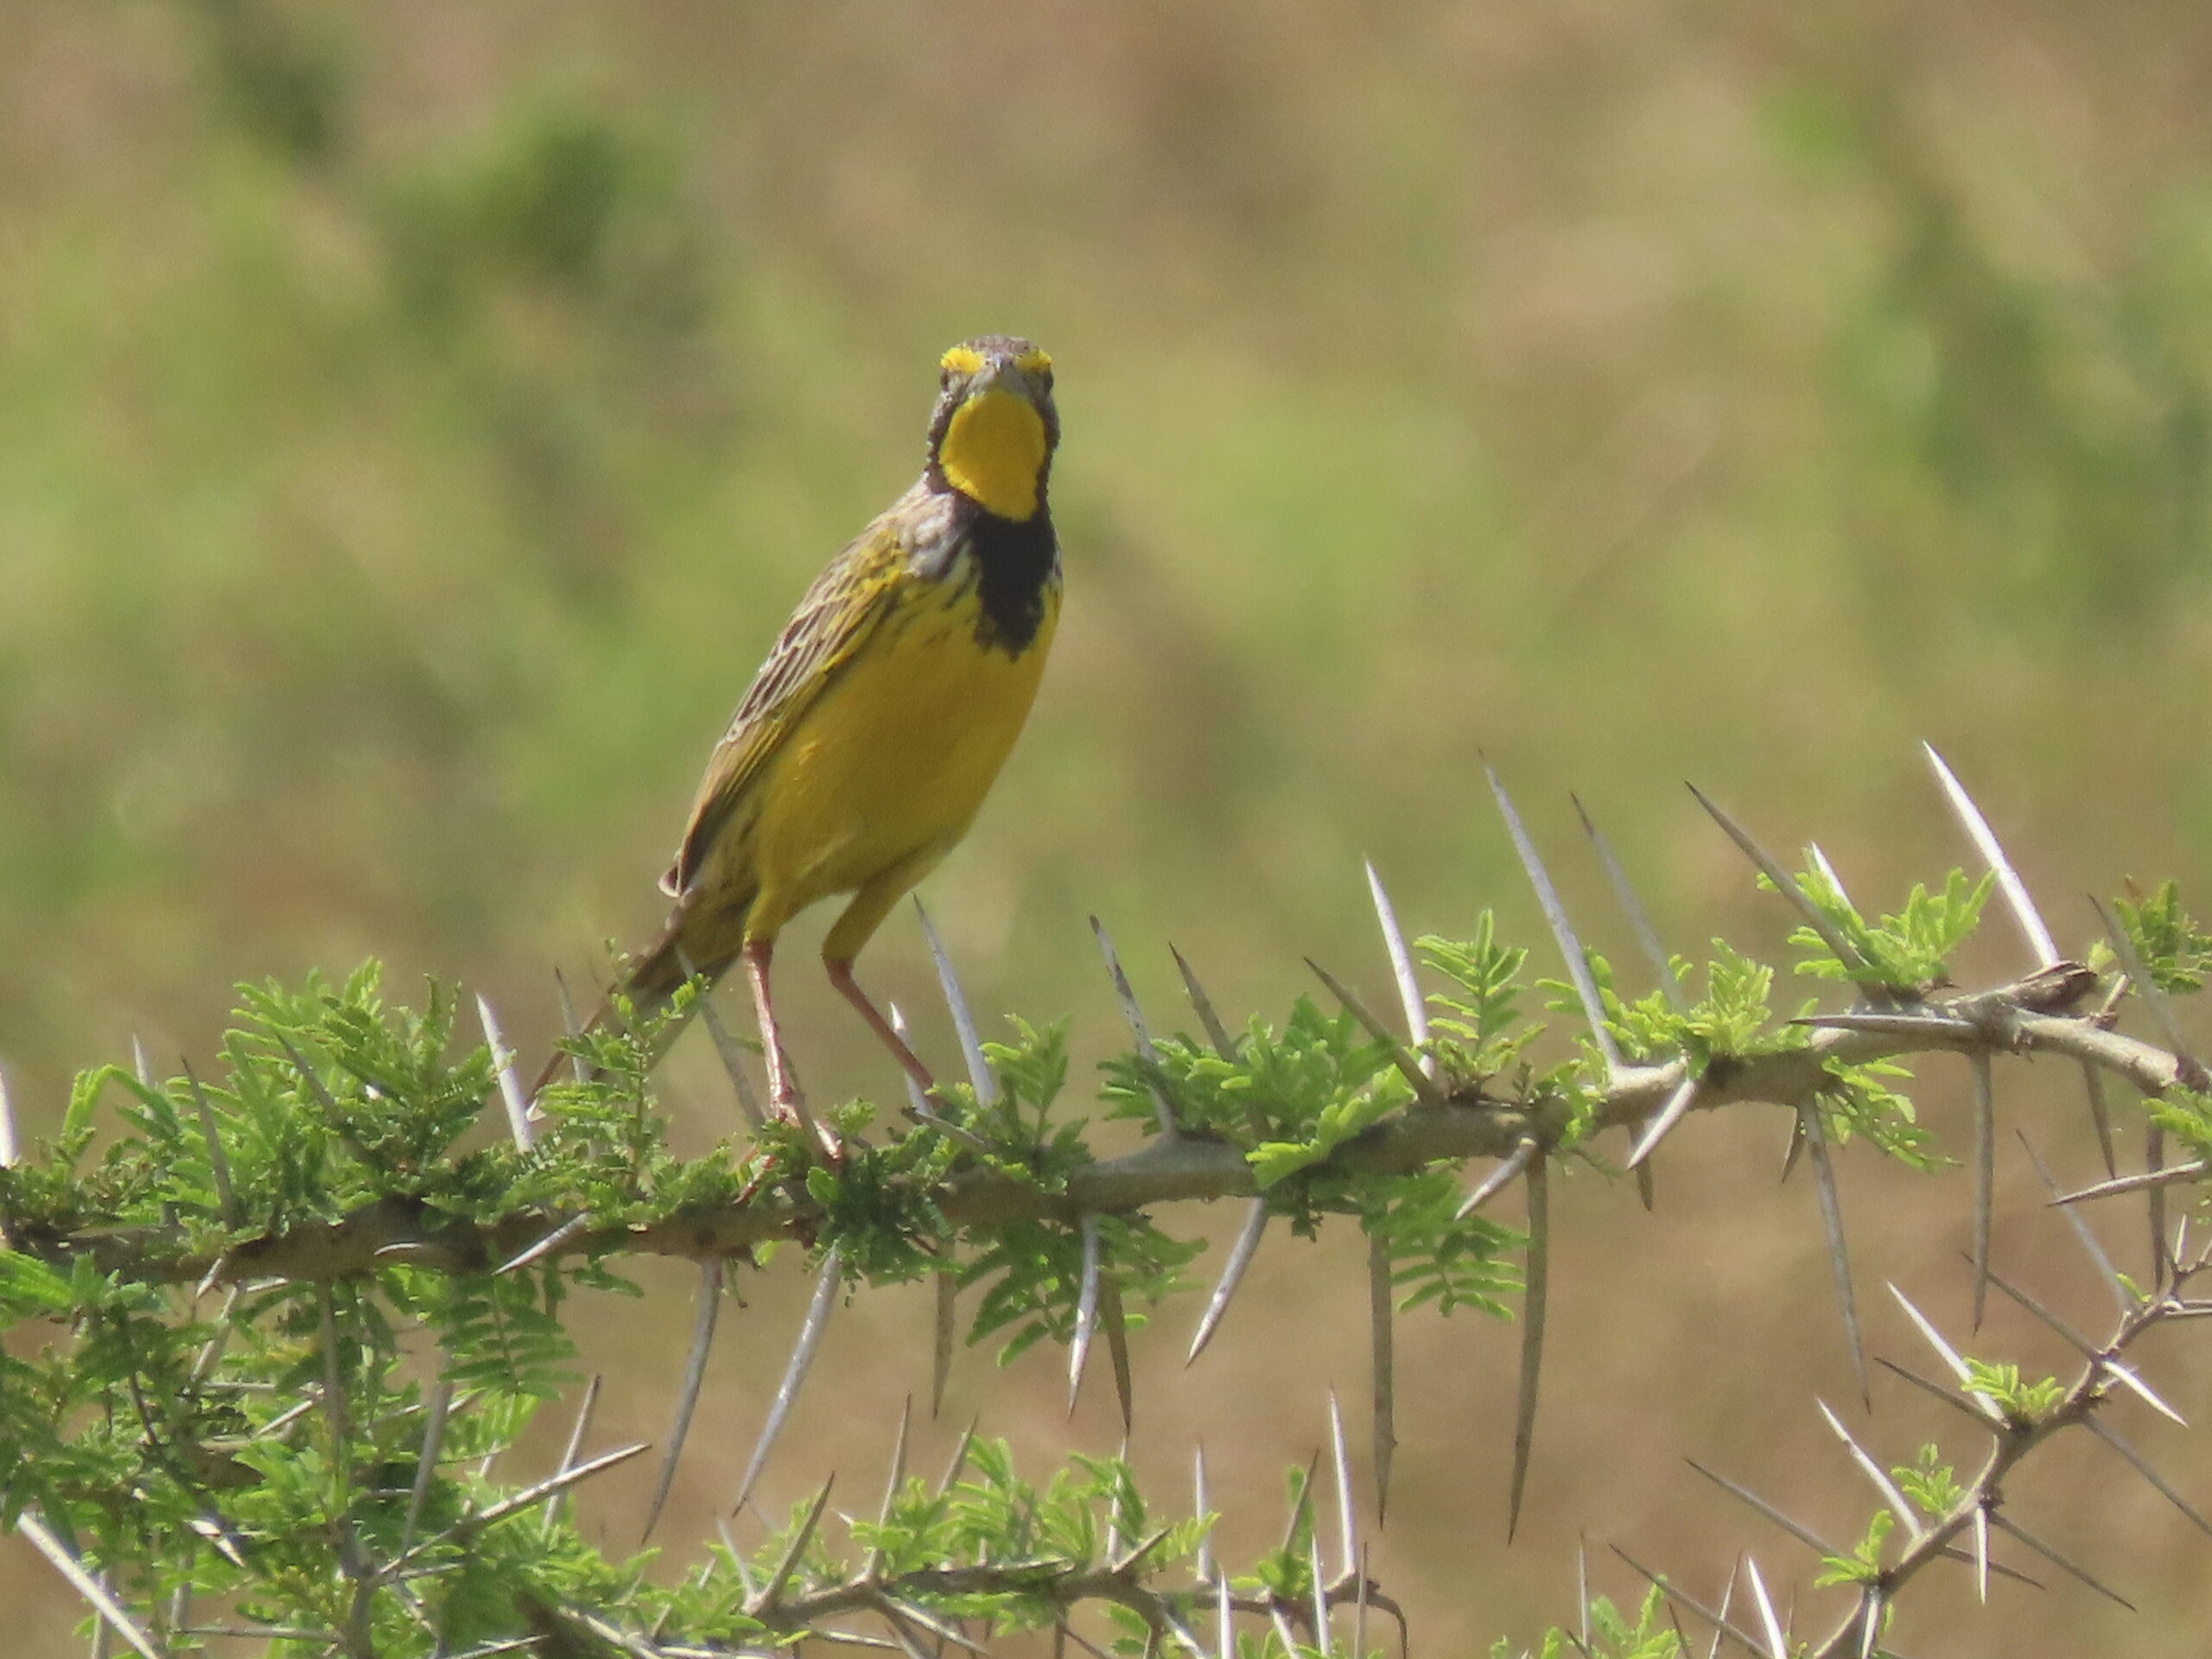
(873, 731)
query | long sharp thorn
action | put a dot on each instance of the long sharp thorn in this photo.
(218, 1166)
(2189, 1071)
(33, 1526)
(1639, 921)
(826, 1286)
(929, 1115)
(2120, 1294)
(902, 1637)
(1401, 1056)
(1963, 1403)
(2129, 1379)
(1570, 948)
(1086, 1309)
(571, 1026)
(1719, 1621)
(1997, 1569)
(333, 1378)
(1495, 1182)
(694, 1378)
(1126, 996)
(1803, 1535)
(1199, 1511)
(732, 1057)
(1110, 1321)
(1795, 1150)
(1874, 1471)
(1401, 970)
(773, 1591)
(11, 1146)
(1870, 1623)
(915, 1098)
(530, 1496)
(1777, 1645)
(1828, 870)
(873, 1567)
(1809, 1118)
(511, 1093)
(1320, 1592)
(1981, 1554)
(1202, 1005)
(2170, 1175)
(1382, 1347)
(2008, 878)
(551, 1240)
(309, 1075)
(426, 1461)
(1663, 1122)
(1301, 1511)
(2093, 1087)
(1340, 1459)
(2110, 1436)
(2154, 1159)
(1532, 1339)
(945, 1328)
(1232, 1275)
(1985, 1176)
(1786, 886)
(1997, 1517)
(577, 1432)
(141, 1066)
(2081, 1344)
(737, 1557)
(936, 1627)
(2106, 1363)
(1283, 1632)
(1727, 1602)
(959, 1463)
(1948, 1354)
(1581, 1589)
(980, 1074)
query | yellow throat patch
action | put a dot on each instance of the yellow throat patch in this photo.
(993, 450)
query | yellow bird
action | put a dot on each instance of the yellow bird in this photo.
(873, 731)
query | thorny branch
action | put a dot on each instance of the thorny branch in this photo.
(2030, 1016)
(1447, 1120)
(2014, 1433)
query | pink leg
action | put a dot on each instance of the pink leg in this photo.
(783, 1087)
(840, 975)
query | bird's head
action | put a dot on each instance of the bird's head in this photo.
(991, 437)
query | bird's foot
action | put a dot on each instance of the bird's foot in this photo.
(790, 1102)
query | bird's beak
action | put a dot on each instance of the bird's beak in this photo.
(999, 374)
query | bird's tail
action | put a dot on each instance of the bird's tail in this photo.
(682, 950)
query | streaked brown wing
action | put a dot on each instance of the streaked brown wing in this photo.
(834, 617)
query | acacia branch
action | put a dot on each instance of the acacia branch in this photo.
(2014, 1440)
(2029, 1016)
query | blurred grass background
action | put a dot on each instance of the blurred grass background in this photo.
(415, 421)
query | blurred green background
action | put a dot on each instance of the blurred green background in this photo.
(415, 421)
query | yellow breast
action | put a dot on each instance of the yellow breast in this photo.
(891, 762)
